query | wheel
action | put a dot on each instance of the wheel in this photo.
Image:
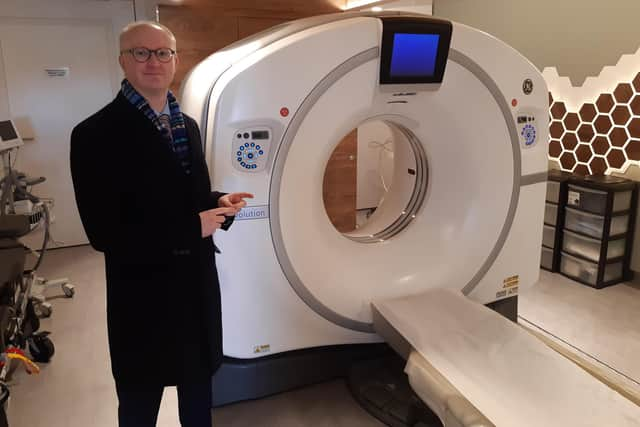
(69, 290)
(41, 348)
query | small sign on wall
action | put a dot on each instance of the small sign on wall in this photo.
(57, 72)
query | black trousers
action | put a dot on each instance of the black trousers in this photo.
(138, 406)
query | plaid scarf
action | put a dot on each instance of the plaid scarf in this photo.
(172, 130)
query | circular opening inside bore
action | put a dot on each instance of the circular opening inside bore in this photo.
(375, 181)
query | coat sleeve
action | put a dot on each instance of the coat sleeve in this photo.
(95, 198)
(209, 198)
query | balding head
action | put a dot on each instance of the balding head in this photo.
(151, 76)
(130, 31)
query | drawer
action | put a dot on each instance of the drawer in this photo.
(593, 225)
(548, 236)
(590, 248)
(550, 214)
(553, 191)
(587, 272)
(546, 260)
(595, 201)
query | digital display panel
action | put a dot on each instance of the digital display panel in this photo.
(260, 134)
(414, 55)
(7, 132)
(414, 50)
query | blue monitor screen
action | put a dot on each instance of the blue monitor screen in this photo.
(414, 55)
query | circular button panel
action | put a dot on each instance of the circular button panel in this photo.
(250, 148)
(529, 134)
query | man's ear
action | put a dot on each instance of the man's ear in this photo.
(121, 61)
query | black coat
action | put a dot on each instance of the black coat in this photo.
(140, 209)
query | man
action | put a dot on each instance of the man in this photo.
(144, 196)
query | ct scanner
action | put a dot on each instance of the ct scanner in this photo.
(459, 228)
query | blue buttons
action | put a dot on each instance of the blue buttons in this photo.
(239, 153)
(260, 152)
(246, 144)
(529, 134)
(253, 144)
(257, 147)
(242, 148)
(239, 159)
(243, 164)
(250, 155)
(254, 166)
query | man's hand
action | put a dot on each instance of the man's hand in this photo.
(211, 220)
(234, 200)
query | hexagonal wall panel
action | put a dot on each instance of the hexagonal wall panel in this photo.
(633, 150)
(598, 166)
(583, 153)
(569, 141)
(605, 103)
(571, 121)
(556, 129)
(634, 128)
(588, 113)
(635, 105)
(623, 93)
(586, 132)
(600, 145)
(581, 169)
(636, 83)
(568, 161)
(558, 110)
(618, 136)
(621, 115)
(599, 137)
(616, 158)
(603, 124)
(555, 149)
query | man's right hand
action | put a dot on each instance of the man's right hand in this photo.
(212, 219)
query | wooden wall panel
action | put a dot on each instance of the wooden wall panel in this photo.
(340, 184)
(251, 25)
(202, 27)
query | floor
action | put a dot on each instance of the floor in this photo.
(76, 388)
(602, 325)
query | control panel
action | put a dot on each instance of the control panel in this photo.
(250, 149)
(527, 130)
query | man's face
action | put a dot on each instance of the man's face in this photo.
(151, 76)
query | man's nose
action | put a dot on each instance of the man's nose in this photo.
(153, 59)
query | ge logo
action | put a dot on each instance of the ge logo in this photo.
(527, 87)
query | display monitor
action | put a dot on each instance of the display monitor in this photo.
(414, 50)
(9, 137)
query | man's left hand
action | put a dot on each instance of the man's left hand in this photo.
(234, 200)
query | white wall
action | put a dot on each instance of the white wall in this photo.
(37, 34)
(374, 162)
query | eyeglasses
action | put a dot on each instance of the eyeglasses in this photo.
(142, 54)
